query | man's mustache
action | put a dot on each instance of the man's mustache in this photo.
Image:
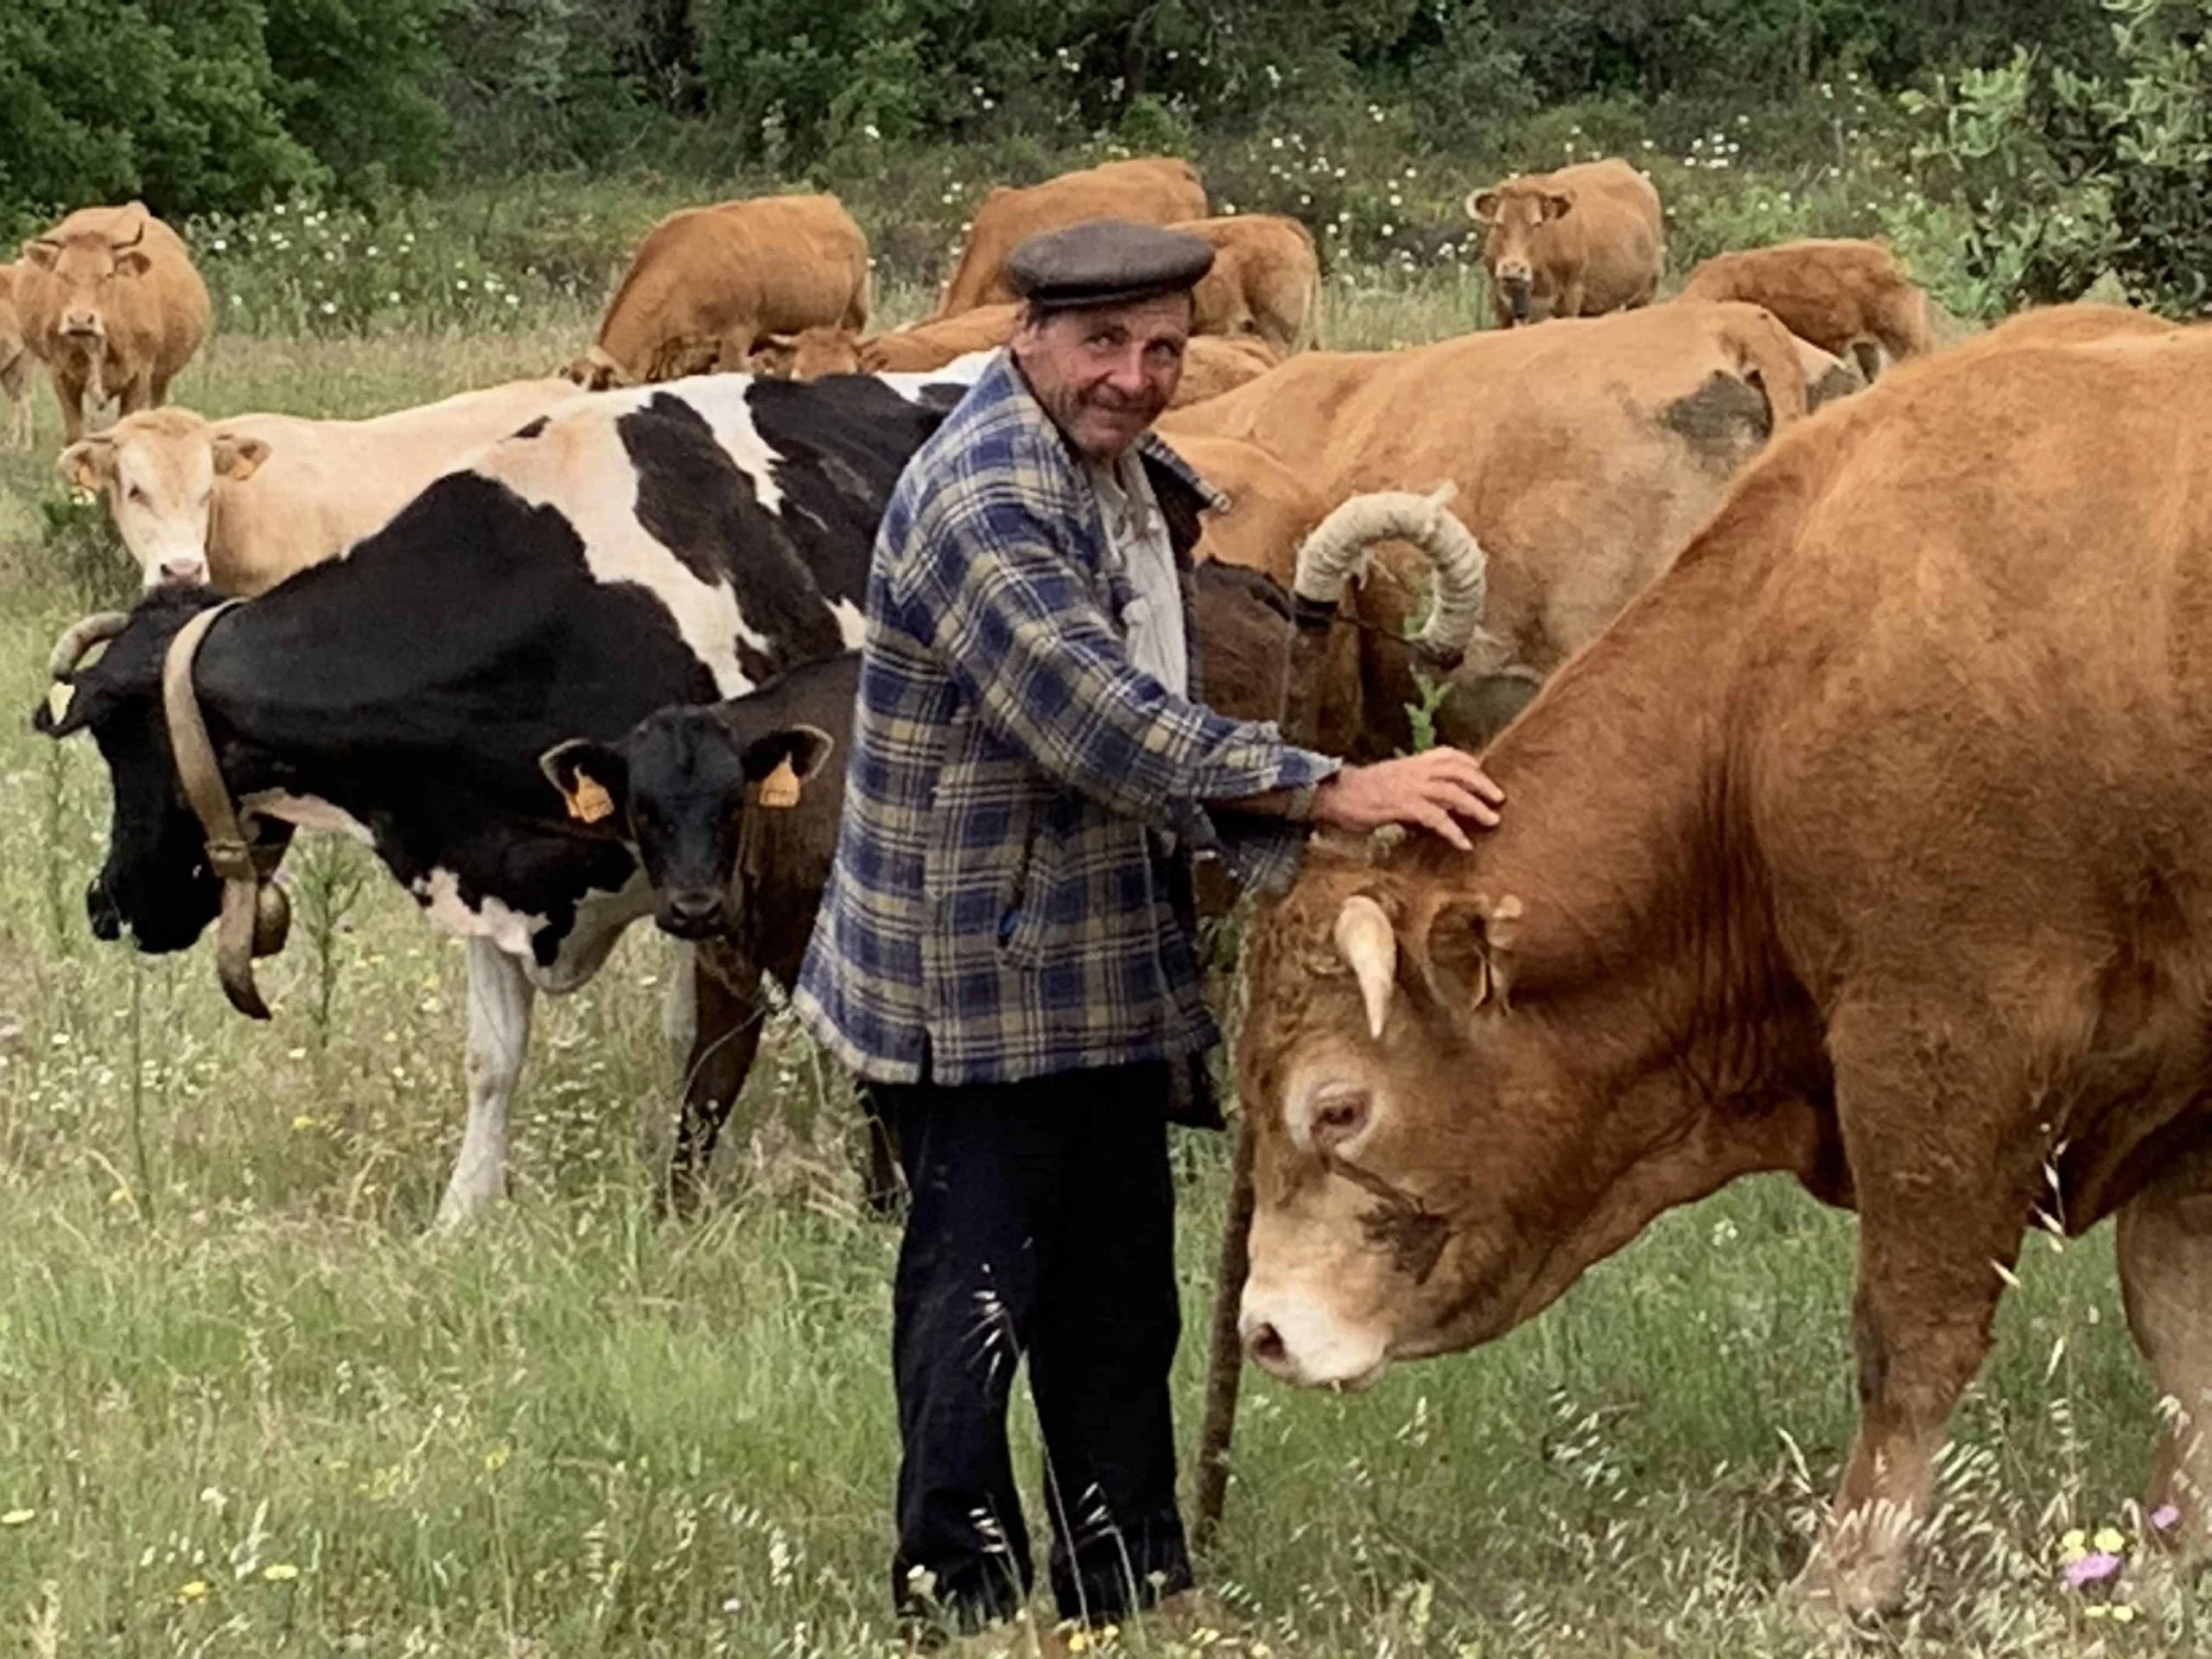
(1101, 398)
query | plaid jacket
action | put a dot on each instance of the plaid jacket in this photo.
(1003, 901)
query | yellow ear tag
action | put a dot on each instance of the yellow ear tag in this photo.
(590, 800)
(781, 787)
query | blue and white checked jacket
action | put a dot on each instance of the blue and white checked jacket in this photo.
(1000, 906)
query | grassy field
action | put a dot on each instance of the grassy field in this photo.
(250, 1407)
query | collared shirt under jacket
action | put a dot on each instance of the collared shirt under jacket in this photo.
(1001, 903)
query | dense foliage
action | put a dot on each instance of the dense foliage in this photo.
(2016, 149)
(2072, 175)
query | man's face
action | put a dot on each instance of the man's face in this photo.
(1105, 372)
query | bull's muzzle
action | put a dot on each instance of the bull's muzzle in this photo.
(82, 325)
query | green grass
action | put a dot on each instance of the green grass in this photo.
(250, 1408)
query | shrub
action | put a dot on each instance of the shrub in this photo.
(101, 102)
(2066, 174)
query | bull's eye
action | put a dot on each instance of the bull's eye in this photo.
(1338, 1119)
(138, 495)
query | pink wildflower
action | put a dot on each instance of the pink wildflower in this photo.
(2094, 1567)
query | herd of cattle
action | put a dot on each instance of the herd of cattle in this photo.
(1864, 836)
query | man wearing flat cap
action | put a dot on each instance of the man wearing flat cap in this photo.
(1005, 947)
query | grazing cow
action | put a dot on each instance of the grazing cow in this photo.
(1585, 241)
(16, 361)
(678, 543)
(708, 285)
(1585, 456)
(243, 502)
(1212, 366)
(732, 812)
(917, 349)
(1872, 844)
(1851, 298)
(1147, 190)
(110, 303)
(1266, 280)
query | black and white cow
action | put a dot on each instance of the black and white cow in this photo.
(676, 544)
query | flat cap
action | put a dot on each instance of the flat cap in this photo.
(1106, 261)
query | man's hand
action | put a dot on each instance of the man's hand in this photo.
(1431, 791)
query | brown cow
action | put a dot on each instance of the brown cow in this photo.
(1210, 365)
(827, 349)
(1271, 514)
(1849, 297)
(707, 284)
(1215, 365)
(1266, 280)
(1794, 878)
(1584, 240)
(15, 362)
(110, 303)
(1147, 190)
(1585, 455)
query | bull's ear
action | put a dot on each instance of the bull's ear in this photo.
(1482, 206)
(132, 261)
(774, 356)
(783, 760)
(1556, 205)
(88, 463)
(593, 779)
(1463, 951)
(42, 252)
(239, 458)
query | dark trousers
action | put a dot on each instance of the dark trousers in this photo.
(1041, 1228)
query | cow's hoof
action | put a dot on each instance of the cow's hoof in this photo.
(1840, 1590)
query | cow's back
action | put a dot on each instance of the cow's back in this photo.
(1616, 231)
(1146, 189)
(1974, 680)
(1266, 278)
(327, 485)
(1584, 453)
(1835, 292)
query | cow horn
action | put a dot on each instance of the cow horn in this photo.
(1369, 945)
(80, 638)
(136, 237)
(1340, 542)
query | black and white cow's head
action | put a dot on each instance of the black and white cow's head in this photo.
(155, 880)
(680, 785)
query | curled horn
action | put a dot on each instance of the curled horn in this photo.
(80, 638)
(136, 236)
(1339, 543)
(1369, 945)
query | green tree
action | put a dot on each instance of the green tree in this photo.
(101, 100)
(2066, 176)
(357, 81)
